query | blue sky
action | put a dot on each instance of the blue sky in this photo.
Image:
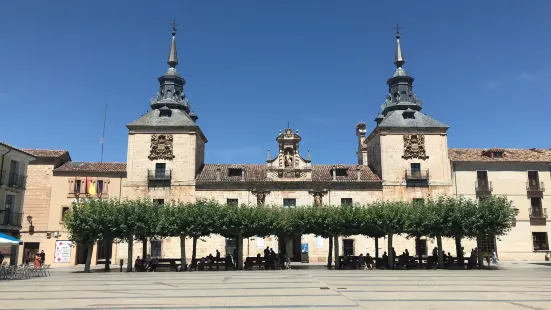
(252, 66)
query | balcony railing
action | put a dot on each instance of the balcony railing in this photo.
(483, 186)
(538, 213)
(417, 174)
(535, 186)
(161, 178)
(10, 218)
(16, 181)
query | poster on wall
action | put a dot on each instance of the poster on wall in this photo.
(62, 251)
(260, 243)
(319, 242)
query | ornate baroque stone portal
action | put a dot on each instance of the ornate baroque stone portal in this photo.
(161, 147)
(414, 147)
(260, 196)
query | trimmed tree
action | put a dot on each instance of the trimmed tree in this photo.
(86, 223)
(389, 217)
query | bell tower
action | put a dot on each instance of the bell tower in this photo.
(166, 147)
(289, 164)
(407, 147)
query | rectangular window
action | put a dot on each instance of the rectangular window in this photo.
(160, 170)
(78, 186)
(482, 177)
(348, 247)
(533, 177)
(234, 172)
(289, 202)
(159, 201)
(415, 167)
(14, 167)
(341, 172)
(421, 246)
(156, 248)
(346, 201)
(64, 211)
(232, 202)
(8, 208)
(99, 187)
(10, 200)
(539, 241)
(498, 154)
(535, 202)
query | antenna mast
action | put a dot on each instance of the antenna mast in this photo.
(102, 139)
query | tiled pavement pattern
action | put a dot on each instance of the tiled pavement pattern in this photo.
(515, 289)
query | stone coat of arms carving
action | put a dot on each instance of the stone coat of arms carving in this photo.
(414, 147)
(161, 147)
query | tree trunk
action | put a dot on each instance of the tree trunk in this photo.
(377, 248)
(459, 250)
(144, 247)
(330, 254)
(479, 258)
(390, 252)
(440, 254)
(90, 248)
(107, 250)
(130, 253)
(337, 256)
(419, 255)
(194, 251)
(183, 266)
(239, 252)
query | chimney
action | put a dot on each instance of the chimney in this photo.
(334, 173)
(361, 130)
(218, 172)
(358, 173)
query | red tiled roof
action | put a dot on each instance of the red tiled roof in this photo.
(253, 172)
(324, 173)
(509, 155)
(38, 153)
(257, 172)
(92, 167)
(17, 149)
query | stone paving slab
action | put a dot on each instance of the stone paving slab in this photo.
(509, 288)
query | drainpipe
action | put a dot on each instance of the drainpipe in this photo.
(2, 164)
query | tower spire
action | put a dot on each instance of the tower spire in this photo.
(173, 54)
(398, 57)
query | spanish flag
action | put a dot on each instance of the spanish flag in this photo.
(90, 188)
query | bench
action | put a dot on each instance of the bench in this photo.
(196, 265)
(251, 262)
(161, 263)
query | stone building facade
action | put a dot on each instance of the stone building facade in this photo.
(13, 186)
(405, 156)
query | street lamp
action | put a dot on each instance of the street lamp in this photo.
(31, 227)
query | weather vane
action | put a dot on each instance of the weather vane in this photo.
(397, 28)
(174, 29)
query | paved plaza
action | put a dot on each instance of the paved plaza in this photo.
(517, 287)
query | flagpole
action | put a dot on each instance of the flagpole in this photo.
(103, 133)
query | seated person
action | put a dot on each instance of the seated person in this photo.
(368, 260)
(138, 263)
(258, 259)
(153, 264)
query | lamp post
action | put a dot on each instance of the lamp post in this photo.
(31, 227)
